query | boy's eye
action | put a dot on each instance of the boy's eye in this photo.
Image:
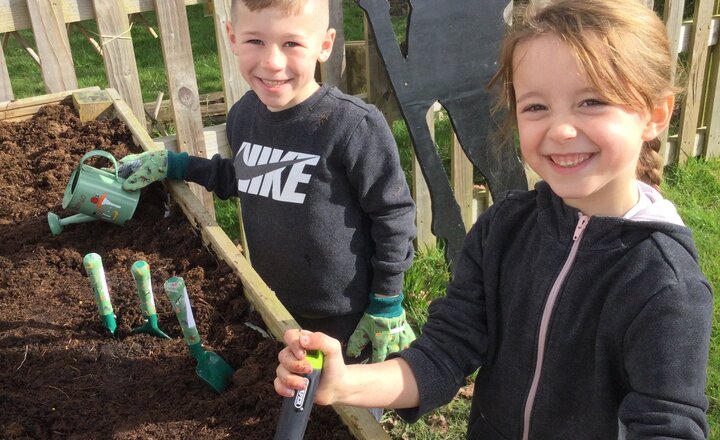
(292, 44)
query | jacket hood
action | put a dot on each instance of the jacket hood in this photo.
(657, 210)
(653, 215)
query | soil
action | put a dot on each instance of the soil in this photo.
(62, 374)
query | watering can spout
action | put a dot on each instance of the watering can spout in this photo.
(57, 224)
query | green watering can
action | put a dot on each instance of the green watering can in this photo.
(95, 194)
(211, 368)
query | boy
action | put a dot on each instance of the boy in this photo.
(327, 212)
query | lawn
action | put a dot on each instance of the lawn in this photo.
(694, 187)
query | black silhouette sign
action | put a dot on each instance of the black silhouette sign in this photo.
(452, 47)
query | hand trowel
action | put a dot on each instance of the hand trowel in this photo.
(141, 274)
(295, 411)
(211, 368)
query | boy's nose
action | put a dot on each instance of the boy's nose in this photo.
(275, 58)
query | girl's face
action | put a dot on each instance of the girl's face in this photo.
(277, 52)
(586, 149)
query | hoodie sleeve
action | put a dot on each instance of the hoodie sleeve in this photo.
(666, 357)
(373, 168)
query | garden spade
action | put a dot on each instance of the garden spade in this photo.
(210, 367)
(295, 411)
(141, 274)
(96, 273)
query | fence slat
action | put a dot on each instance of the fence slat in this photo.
(461, 174)
(118, 54)
(693, 102)
(6, 93)
(182, 84)
(712, 109)
(14, 13)
(53, 46)
(333, 70)
(233, 82)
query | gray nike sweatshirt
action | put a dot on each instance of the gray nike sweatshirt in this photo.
(326, 207)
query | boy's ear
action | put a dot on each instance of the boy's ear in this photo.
(659, 118)
(327, 45)
(231, 36)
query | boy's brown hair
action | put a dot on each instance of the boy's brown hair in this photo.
(621, 45)
(289, 6)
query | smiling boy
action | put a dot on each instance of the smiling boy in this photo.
(326, 208)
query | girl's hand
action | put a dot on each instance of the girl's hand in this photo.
(293, 366)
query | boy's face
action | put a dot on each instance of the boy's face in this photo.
(277, 51)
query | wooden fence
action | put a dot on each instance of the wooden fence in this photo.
(693, 34)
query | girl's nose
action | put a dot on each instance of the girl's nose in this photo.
(563, 130)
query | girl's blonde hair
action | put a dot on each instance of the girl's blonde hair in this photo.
(621, 45)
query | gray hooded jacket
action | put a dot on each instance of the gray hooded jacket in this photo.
(582, 327)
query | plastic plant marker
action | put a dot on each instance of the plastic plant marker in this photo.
(295, 411)
(141, 274)
(96, 274)
(211, 368)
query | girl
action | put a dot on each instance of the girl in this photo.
(581, 302)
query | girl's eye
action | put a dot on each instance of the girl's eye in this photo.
(591, 102)
(255, 42)
(533, 108)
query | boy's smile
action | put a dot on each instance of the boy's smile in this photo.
(278, 50)
(585, 148)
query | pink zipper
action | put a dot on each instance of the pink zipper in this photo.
(545, 322)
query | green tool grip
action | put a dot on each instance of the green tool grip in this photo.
(178, 296)
(141, 274)
(96, 274)
(295, 411)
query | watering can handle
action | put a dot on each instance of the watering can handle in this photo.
(104, 154)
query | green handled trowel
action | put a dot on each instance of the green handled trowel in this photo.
(141, 274)
(295, 411)
(96, 274)
(210, 367)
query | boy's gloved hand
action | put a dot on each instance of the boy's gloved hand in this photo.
(383, 325)
(140, 170)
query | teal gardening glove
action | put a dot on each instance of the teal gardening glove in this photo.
(384, 325)
(140, 170)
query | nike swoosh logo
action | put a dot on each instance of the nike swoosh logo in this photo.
(246, 172)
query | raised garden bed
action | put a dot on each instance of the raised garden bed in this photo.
(61, 374)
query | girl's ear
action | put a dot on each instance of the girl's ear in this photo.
(326, 45)
(659, 118)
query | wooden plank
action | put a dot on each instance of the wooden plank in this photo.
(233, 83)
(421, 193)
(182, 84)
(6, 93)
(25, 108)
(712, 109)
(379, 90)
(14, 13)
(360, 421)
(461, 175)
(333, 70)
(673, 17)
(693, 102)
(118, 54)
(56, 63)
